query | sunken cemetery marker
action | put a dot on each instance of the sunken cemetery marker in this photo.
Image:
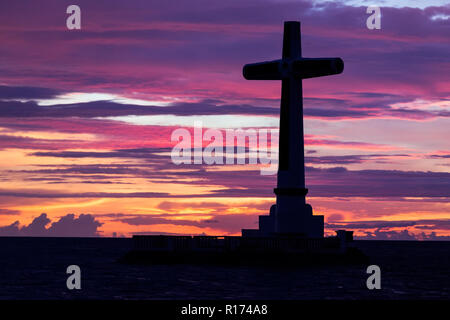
(290, 234)
(291, 214)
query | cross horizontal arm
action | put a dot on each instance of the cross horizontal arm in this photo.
(317, 67)
(268, 70)
(302, 68)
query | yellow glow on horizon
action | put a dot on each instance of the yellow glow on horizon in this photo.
(52, 135)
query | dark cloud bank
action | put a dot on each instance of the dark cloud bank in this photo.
(67, 226)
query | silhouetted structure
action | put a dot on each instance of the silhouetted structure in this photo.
(290, 234)
(291, 214)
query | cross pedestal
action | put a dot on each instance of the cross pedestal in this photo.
(291, 214)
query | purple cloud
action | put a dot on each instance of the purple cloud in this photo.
(403, 235)
(85, 225)
(7, 92)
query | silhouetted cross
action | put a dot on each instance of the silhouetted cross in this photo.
(291, 69)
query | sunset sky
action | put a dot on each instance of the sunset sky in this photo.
(86, 116)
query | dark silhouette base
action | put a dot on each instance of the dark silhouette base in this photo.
(291, 234)
(279, 250)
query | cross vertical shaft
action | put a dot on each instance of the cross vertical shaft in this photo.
(290, 189)
(291, 154)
